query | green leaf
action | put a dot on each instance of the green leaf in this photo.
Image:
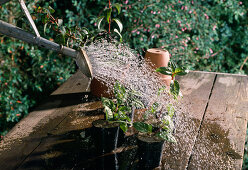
(180, 71)
(137, 103)
(164, 70)
(154, 107)
(108, 113)
(85, 30)
(142, 127)
(109, 11)
(44, 19)
(171, 110)
(63, 31)
(123, 127)
(115, 30)
(45, 26)
(118, 7)
(118, 22)
(60, 22)
(173, 66)
(60, 39)
(109, 108)
(99, 21)
(175, 88)
(51, 10)
(161, 89)
(167, 136)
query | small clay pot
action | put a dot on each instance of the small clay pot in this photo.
(149, 152)
(159, 58)
(105, 135)
(99, 89)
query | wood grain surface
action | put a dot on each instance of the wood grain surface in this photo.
(210, 133)
(220, 143)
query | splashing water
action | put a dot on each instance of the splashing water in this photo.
(111, 62)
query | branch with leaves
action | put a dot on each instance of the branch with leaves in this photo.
(109, 19)
(71, 37)
(120, 110)
(172, 70)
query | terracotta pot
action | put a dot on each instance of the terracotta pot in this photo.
(158, 58)
(100, 89)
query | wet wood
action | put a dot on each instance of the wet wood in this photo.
(196, 89)
(220, 144)
(77, 83)
(28, 133)
(210, 135)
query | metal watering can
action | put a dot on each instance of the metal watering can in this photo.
(80, 56)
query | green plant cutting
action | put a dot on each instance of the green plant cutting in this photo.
(120, 109)
(157, 121)
(108, 17)
(173, 70)
(158, 124)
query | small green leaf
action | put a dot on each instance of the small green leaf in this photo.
(173, 66)
(161, 89)
(142, 127)
(60, 22)
(115, 30)
(175, 88)
(123, 127)
(45, 26)
(63, 31)
(51, 10)
(137, 103)
(150, 128)
(99, 22)
(171, 110)
(44, 19)
(109, 113)
(118, 7)
(180, 71)
(60, 39)
(164, 70)
(109, 11)
(167, 136)
(85, 30)
(118, 22)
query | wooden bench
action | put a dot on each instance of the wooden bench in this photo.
(211, 134)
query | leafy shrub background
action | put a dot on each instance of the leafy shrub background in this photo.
(27, 73)
(206, 35)
(209, 35)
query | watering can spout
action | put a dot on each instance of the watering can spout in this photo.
(86, 66)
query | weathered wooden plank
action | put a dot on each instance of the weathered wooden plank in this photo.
(64, 141)
(196, 89)
(220, 144)
(27, 134)
(229, 74)
(191, 85)
(63, 115)
(77, 83)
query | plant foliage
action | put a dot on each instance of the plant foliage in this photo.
(120, 109)
(27, 73)
(173, 70)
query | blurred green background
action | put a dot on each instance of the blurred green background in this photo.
(209, 35)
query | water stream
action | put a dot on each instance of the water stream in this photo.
(113, 63)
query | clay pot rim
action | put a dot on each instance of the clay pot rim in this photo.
(157, 49)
